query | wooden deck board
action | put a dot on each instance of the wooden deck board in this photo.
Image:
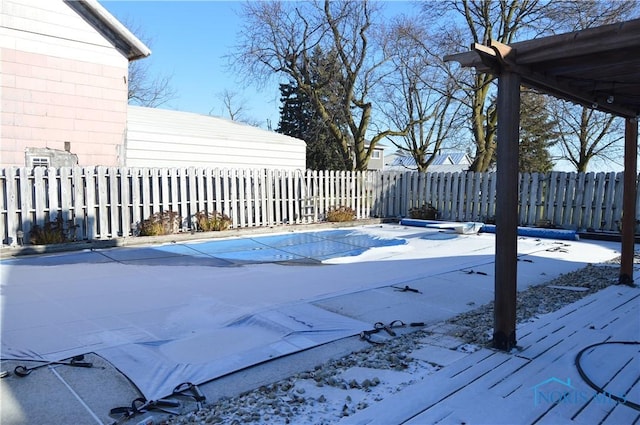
(621, 415)
(617, 377)
(432, 390)
(481, 409)
(556, 327)
(561, 356)
(486, 387)
(555, 358)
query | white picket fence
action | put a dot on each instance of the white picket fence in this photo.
(108, 202)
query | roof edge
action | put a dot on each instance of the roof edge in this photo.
(130, 45)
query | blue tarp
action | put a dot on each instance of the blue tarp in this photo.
(533, 232)
(562, 234)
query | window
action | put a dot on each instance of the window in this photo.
(39, 161)
(376, 155)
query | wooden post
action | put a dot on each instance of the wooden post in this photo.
(504, 334)
(629, 200)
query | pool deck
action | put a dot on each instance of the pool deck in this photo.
(537, 383)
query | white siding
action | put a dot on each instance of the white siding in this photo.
(163, 138)
(53, 28)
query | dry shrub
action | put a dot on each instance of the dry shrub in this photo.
(341, 214)
(161, 223)
(213, 221)
(426, 212)
(53, 232)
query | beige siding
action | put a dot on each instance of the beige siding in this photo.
(376, 163)
(61, 81)
(162, 138)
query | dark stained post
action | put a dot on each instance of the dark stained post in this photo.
(629, 200)
(504, 329)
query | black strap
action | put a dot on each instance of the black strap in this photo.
(407, 288)
(475, 272)
(379, 326)
(76, 361)
(142, 405)
(187, 387)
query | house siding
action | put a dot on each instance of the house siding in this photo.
(376, 163)
(163, 138)
(76, 92)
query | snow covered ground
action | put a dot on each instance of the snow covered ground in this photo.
(181, 312)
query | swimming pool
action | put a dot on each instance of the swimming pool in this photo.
(194, 311)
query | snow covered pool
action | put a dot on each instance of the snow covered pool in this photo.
(191, 312)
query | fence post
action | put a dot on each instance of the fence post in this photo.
(27, 206)
(267, 203)
(9, 188)
(617, 202)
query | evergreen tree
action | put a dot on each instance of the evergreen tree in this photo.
(294, 112)
(300, 118)
(537, 134)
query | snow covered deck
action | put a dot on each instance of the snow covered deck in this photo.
(539, 383)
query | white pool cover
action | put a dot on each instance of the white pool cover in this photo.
(192, 312)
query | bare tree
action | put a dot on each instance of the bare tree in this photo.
(235, 107)
(145, 88)
(419, 95)
(279, 38)
(575, 15)
(480, 22)
(506, 21)
(587, 134)
(148, 90)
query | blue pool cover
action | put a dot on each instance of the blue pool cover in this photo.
(294, 248)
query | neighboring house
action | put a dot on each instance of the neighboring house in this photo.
(443, 163)
(64, 89)
(64, 68)
(163, 138)
(376, 162)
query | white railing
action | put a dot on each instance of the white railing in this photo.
(108, 202)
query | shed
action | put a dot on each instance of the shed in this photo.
(165, 138)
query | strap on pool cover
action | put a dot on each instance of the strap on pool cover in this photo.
(142, 405)
(379, 326)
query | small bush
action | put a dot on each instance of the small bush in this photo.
(161, 223)
(53, 232)
(213, 221)
(341, 214)
(546, 224)
(490, 220)
(426, 212)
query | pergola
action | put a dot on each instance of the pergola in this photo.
(598, 68)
